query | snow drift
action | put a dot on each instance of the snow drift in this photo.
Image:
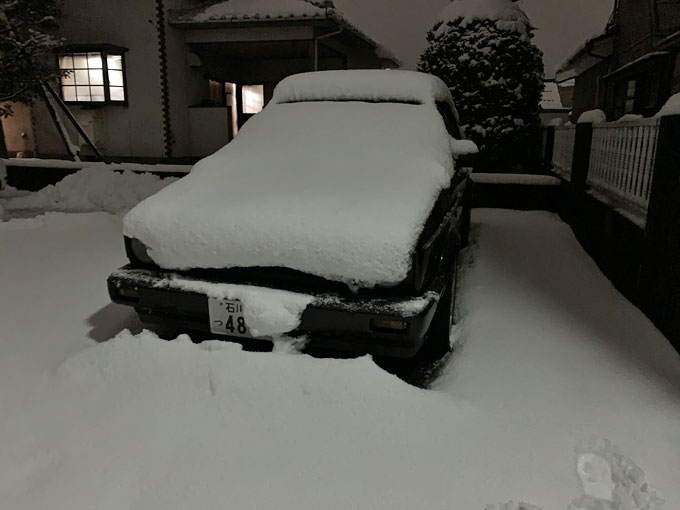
(92, 189)
(335, 189)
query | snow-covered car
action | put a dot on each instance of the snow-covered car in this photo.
(335, 214)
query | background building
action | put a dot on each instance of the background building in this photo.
(174, 79)
(634, 66)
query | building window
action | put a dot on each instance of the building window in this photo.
(93, 77)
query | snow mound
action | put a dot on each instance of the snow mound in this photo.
(507, 14)
(592, 117)
(512, 506)
(92, 189)
(630, 117)
(339, 190)
(371, 85)
(141, 423)
(671, 107)
(611, 480)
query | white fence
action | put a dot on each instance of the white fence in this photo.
(563, 150)
(622, 160)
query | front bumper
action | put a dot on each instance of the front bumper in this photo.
(331, 321)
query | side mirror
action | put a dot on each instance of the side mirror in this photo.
(465, 154)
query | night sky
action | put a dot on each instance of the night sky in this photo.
(562, 25)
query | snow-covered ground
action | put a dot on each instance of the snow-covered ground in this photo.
(552, 358)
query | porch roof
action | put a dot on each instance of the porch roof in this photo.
(233, 13)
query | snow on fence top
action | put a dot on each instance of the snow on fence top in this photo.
(592, 116)
(506, 13)
(363, 85)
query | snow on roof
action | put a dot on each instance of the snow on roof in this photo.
(506, 13)
(363, 85)
(276, 10)
(551, 99)
(230, 10)
(340, 190)
(583, 50)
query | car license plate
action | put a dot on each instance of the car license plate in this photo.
(226, 317)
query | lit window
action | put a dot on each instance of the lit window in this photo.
(253, 98)
(92, 77)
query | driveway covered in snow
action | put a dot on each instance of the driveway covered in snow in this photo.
(552, 365)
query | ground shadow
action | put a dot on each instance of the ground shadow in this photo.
(111, 320)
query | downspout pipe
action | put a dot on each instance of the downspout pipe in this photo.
(316, 45)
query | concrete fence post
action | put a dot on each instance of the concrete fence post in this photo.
(659, 281)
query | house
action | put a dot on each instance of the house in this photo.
(163, 80)
(553, 108)
(634, 66)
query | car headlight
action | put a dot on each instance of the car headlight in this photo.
(137, 252)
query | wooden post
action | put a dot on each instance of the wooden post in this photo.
(581, 162)
(659, 282)
(549, 148)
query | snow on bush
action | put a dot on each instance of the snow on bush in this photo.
(482, 51)
(505, 14)
(340, 190)
(671, 107)
(592, 117)
(92, 189)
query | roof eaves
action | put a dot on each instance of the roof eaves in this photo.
(586, 50)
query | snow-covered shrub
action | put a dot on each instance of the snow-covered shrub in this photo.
(482, 50)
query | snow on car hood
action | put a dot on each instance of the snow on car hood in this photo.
(340, 190)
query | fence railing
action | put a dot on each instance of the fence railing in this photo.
(622, 160)
(563, 151)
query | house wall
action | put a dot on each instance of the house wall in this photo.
(635, 22)
(157, 123)
(18, 131)
(589, 91)
(641, 27)
(187, 86)
(119, 131)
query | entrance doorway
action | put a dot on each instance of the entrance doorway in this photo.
(249, 101)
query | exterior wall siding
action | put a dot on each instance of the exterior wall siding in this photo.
(135, 129)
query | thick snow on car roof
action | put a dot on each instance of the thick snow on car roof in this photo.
(335, 189)
(363, 85)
